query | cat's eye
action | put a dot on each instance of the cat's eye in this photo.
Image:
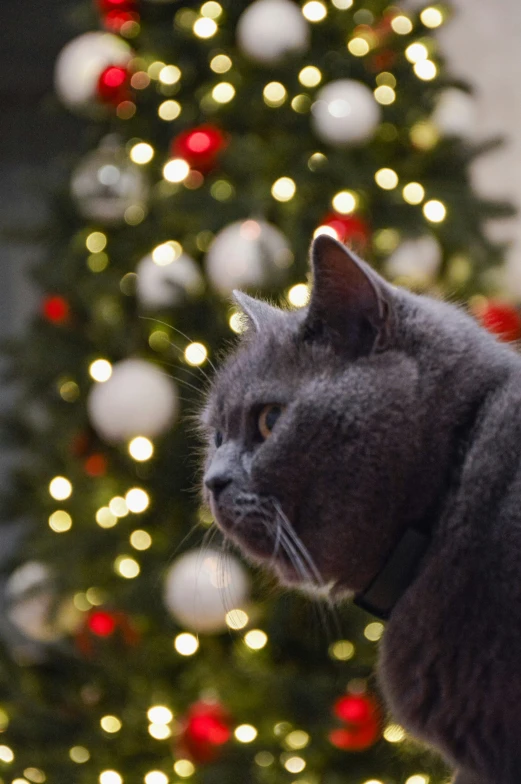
(218, 438)
(268, 419)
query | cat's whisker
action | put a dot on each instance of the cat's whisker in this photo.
(182, 381)
(184, 335)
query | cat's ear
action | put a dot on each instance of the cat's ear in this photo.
(350, 303)
(259, 314)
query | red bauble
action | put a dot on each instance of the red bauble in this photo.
(96, 465)
(106, 6)
(349, 229)
(355, 708)
(361, 716)
(200, 146)
(104, 625)
(114, 85)
(355, 740)
(207, 728)
(115, 20)
(501, 319)
(382, 61)
(56, 309)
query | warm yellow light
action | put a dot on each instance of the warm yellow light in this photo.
(431, 17)
(110, 724)
(110, 777)
(155, 68)
(137, 500)
(221, 63)
(310, 76)
(283, 189)
(413, 193)
(435, 211)
(314, 11)
(95, 596)
(342, 4)
(373, 631)
(211, 9)
(156, 777)
(298, 739)
(140, 540)
(236, 322)
(105, 518)
(415, 53)
(343, 650)
(184, 768)
(19, 781)
(393, 733)
(223, 92)
(425, 70)
(176, 170)
(159, 731)
(127, 567)
(264, 759)
(35, 775)
(418, 778)
(6, 754)
(385, 95)
(298, 295)
(328, 230)
(295, 764)
(4, 720)
(79, 754)
(236, 619)
(166, 253)
(69, 391)
(60, 488)
(60, 521)
(386, 179)
(134, 215)
(96, 242)
(100, 370)
(301, 103)
(186, 644)
(196, 354)
(245, 733)
(118, 506)
(142, 153)
(169, 110)
(256, 639)
(401, 24)
(204, 27)
(424, 135)
(141, 449)
(274, 94)
(97, 262)
(159, 714)
(344, 202)
(170, 74)
(358, 46)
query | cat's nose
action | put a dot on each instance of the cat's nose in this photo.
(216, 480)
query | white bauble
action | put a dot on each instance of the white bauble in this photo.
(106, 183)
(455, 113)
(246, 254)
(202, 586)
(345, 112)
(416, 260)
(167, 285)
(80, 64)
(32, 605)
(137, 400)
(268, 30)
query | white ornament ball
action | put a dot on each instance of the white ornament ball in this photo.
(416, 260)
(455, 113)
(247, 254)
(106, 183)
(137, 400)
(171, 284)
(80, 64)
(32, 606)
(202, 586)
(269, 30)
(345, 112)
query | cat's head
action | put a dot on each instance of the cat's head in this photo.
(318, 425)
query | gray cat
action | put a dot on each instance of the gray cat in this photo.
(370, 445)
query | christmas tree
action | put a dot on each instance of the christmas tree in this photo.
(219, 139)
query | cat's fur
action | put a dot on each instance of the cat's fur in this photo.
(399, 409)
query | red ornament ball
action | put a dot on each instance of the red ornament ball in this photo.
(355, 708)
(349, 229)
(200, 146)
(356, 739)
(501, 319)
(207, 727)
(102, 623)
(361, 716)
(96, 465)
(56, 309)
(114, 85)
(115, 20)
(103, 626)
(107, 6)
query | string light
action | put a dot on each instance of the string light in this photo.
(222, 190)
(435, 211)
(134, 214)
(160, 714)
(295, 764)
(166, 253)
(6, 754)
(97, 262)
(314, 11)
(186, 644)
(385, 95)
(140, 80)
(417, 52)
(169, 75)
(297, 739)
(223, 92)
(60, 488)
(110, 724)
(358, 46)
(418, 778)
(156, 777)
(159, 340)
(96, 242)
(79, 754)
(342, 5)
(105, 518)
(204, 27)
(69, 391)
(126, 110)
(159, 731)
(118, 506)
(413, 193)
(424, 135)
(310, 76)
(141, 449)
(221, 63)
(298, 295)
(343, 650)
(236, 619)
(155, 68)
(140, 540)
(401, 24)
(127, 567)
(176, 170)
(60, 521)
(236, 322)
(393, 733)
(301, 103)
(245, 733)
(283, 189)
(184, 768)
(274, 94)
(110, 777)
(264, 759)
(100, 370)
(35, 775)
(329, 231)
(386, 240)
(386, 179)
(344, 202)
(431, 17)
(196, 354)
(425, 70)
(137, 500)
(256, 639)
(169, 110)
(373, 631)
(142, 153)
(95, 596)
(211, 9)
